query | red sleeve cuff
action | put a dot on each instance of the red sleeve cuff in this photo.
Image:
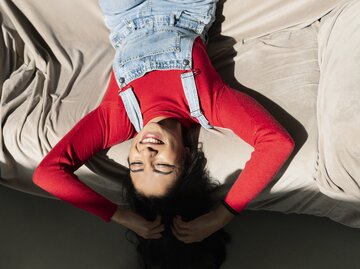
(231, 210)
(107, 214)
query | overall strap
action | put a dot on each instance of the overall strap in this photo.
(188, 82)
(132, 108)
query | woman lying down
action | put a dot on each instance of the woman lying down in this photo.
(161, 85)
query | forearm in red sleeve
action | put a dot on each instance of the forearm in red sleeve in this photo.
(271, 142)
(55, 173)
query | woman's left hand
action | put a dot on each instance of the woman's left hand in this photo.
(201, 227)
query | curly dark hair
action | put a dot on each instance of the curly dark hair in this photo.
(191, 196)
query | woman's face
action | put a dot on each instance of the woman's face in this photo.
(155, 157)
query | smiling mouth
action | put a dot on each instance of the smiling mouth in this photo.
(151, 140)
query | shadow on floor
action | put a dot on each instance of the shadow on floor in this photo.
(43, 233)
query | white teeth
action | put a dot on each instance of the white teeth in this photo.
(151, 140)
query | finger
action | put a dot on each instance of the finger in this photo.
(178, 229)
(156, 222)
(155, 236)
(176, 234)
(184, 238)
(158, 229)
(150, 225)
(152, 236)
(179, 234)
(189, 240)
(158, 236)
(182, 224)
(181, 229)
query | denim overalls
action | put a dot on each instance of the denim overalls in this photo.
(156, 35)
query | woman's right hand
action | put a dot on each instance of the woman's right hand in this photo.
(138, 224)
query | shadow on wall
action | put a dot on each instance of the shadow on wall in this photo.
(9, 59)
(44, 58)
(101, 173)
(222, 53)
(221, 47)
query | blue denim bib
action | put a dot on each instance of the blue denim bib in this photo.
(156, 35)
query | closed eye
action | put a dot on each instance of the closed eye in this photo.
(158, 168)
(135, 165)
(165, 164)
(164, 168)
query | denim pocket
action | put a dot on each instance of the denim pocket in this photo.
(143, 46)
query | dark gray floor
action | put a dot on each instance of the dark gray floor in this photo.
(39, 233)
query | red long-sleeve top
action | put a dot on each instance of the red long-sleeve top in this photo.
(160, 93)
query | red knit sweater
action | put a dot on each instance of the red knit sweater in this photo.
(160, 93)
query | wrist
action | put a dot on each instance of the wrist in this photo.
(120, 215)
(223, 214)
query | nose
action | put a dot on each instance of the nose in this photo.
(147, 149)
